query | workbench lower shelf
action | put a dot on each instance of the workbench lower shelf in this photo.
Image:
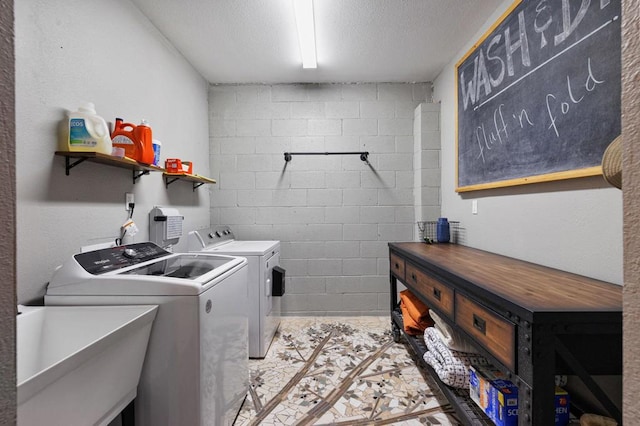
(467, 410)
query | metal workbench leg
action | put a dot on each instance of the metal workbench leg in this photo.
(393, 288)
(128, 415)
(538, 401)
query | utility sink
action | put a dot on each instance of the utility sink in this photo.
(79, 365)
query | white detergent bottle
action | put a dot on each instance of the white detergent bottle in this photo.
(88, 132)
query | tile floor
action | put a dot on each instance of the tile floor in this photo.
(340, 371)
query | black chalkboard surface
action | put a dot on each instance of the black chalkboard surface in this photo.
(539, 94)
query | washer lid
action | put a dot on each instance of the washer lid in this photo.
(146, 270)
(245, 248)
(185, 266)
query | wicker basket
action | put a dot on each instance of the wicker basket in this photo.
(428, 231)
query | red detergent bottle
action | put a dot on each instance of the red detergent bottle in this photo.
(137, 141)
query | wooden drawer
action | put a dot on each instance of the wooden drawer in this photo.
(397, 266)
(495, 333)
(439, 295)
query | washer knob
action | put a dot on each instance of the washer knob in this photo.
(130, 253)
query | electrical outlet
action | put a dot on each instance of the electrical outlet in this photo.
(474, 206)
(128, 199)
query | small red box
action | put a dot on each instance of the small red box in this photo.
(173, 165)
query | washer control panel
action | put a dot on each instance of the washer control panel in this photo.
(114, 258)
(218, 234)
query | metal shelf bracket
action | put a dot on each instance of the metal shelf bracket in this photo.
(137, 176)
(68, 165)
(168, 181)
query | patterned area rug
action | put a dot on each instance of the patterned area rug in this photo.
(340, 371)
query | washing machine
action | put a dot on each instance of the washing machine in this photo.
(266, 279)
(196, 368)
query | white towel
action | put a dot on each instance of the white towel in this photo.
(450, 337)
(452, 367)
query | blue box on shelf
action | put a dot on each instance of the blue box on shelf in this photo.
(498, 397)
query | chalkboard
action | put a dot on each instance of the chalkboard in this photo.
(539, 94)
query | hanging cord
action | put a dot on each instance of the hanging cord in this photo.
(124, 228)
(119, 240)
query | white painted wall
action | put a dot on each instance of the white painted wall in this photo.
(573, 225)
(104, 51)
(334, 214)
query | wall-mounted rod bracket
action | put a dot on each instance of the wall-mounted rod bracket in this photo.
(364, 155)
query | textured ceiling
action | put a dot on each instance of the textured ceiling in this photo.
(254, 41)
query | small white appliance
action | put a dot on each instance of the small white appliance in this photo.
(264, 262)
(165, 226)
(196, 368)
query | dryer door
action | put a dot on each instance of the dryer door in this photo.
(269, 305)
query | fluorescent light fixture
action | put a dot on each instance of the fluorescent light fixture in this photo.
(306, 32)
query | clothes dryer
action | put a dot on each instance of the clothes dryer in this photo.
(263, 259)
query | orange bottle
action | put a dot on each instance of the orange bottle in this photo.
(137, 141)
(144, 136)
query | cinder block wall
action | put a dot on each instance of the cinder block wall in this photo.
(426, 164)
(333, 214)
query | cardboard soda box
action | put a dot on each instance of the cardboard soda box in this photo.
(562, 407)
(503, 408)
(498, 397)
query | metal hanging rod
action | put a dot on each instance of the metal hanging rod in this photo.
(364, 155)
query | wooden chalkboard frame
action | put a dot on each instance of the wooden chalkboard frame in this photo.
(569, 173)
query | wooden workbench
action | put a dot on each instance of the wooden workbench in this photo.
(530, 321)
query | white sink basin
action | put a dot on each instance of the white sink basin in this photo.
(79, 365)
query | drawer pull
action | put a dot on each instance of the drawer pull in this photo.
(397, 266)
(437, 293)
(479, 324)
(413, 277)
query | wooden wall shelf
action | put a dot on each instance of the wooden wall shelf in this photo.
(138, 169)
(197, 180)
